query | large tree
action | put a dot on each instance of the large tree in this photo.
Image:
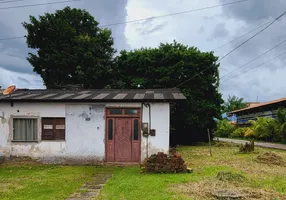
(233, 103)
(70, 48)
(168, 66)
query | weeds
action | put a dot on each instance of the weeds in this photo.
(247, 147)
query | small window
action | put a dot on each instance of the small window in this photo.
(110, 129)
(136, 129)
(25, 130)
(115, 111)
(131, 111)
(53, 128)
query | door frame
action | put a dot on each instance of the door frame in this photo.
(123, 115)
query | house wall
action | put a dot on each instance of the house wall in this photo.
(85, 131)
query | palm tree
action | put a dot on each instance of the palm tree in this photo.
(234, 103)
(281, 122)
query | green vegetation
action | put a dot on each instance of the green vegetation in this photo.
(45, 182)
(260, 174)
(168, 66)
(233, 103)
(264, 128)
(224, 170)
(224, 128)
(72, 49)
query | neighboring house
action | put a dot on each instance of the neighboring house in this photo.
(232, 117)
(86, 126)
(268, 109)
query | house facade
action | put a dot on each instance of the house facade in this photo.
(267, 109)
(86, 126)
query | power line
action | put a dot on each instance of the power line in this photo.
(12, 38)
(12, 1)
(39, 4)
(126, 22)
(254, 59)
(240, 36)
(254, 35)
(172, 14)
(234, 49)
(256, 66)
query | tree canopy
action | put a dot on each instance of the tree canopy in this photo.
(70, 48)
(168, 66)
(234, 103)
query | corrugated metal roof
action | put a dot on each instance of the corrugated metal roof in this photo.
(96, 95)
(259, 105)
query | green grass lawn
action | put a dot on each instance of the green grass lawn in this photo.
(42, 181)
(262, 181)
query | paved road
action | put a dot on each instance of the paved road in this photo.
(259, 144)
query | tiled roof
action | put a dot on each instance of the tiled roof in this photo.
(94, 95)
(259, 105)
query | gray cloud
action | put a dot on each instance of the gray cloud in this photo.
(150, 28)
(220, 31)
(202, 29)
(251, 11)
(23, 80)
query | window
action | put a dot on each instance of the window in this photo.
(25, 129)
(115, 111)
(110, 129)
(131, 111)
(128, 112)
(136, 129)
(53, 128)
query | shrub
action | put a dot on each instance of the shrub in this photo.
(264, 128)
(247, 147)
(224, 128)
(162, 163)
(238, 133)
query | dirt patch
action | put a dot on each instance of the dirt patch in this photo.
(270, 158)
(215, 189)
(229, 176)
(13, 163)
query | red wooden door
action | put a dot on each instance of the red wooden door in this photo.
(123, 135)
(123, 140)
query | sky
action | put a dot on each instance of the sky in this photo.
(204, 29)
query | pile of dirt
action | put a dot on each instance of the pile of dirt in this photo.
(229, 176)
(270, 158)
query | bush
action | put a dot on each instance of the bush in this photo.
(162, 163)
(224, 128)
(247, 147)
(238, 133)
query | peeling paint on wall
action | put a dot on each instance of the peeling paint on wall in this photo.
(85, 131)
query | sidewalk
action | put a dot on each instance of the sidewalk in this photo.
(259, 144)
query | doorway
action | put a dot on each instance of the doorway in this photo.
(123, 135)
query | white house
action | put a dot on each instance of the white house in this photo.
(86, 126)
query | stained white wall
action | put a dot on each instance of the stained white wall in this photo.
(160, 121)
(32, 149)
(85, 130)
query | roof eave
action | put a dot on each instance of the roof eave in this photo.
(91, 100)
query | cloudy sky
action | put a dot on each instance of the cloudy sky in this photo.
(205, 29)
